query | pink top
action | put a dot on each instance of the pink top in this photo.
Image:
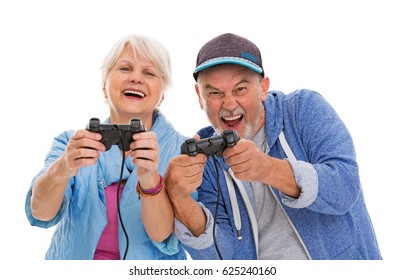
(107, 247)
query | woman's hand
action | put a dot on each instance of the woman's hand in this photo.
(145, 155)
(83, 149)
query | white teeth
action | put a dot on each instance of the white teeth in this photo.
(134, 93)
(232, 118)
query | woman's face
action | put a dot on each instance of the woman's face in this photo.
(134, 88)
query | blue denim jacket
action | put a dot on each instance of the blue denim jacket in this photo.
(330, 216)
(83, 216)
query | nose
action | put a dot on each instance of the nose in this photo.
(229, 102)
(135, 76)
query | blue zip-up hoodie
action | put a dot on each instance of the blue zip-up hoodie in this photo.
(330, 216)
(83, 214)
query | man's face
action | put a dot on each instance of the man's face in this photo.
(232, 97)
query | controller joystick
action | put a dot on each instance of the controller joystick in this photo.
(214, 145)
(115, 134)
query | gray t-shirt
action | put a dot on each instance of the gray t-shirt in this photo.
(278, 239)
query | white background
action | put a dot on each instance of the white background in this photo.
(352, 52)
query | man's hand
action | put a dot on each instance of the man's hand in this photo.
(249, 163)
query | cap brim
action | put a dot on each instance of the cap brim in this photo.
(228, 60)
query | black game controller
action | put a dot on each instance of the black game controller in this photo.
(114, 134)
(214, 145)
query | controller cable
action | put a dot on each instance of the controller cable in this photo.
(118, 196)
(216, 206)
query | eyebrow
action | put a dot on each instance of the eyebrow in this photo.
(123, 62)
(208, 86)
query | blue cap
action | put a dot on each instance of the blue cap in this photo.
(229, 49)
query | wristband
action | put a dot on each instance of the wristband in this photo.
(152, 192)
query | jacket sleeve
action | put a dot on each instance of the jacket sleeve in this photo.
(204, 240)
(326, 155)
(57, 149)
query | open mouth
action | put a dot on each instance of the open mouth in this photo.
(134, 93)
(232, 121)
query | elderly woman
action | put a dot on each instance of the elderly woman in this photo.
(109, 203)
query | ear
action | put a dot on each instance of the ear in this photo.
(197, 90)
(161, 99)
(265, 88)
(105, 92)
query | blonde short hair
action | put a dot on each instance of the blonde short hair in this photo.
(145, 47)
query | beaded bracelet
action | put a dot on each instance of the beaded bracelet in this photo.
(152, 192)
